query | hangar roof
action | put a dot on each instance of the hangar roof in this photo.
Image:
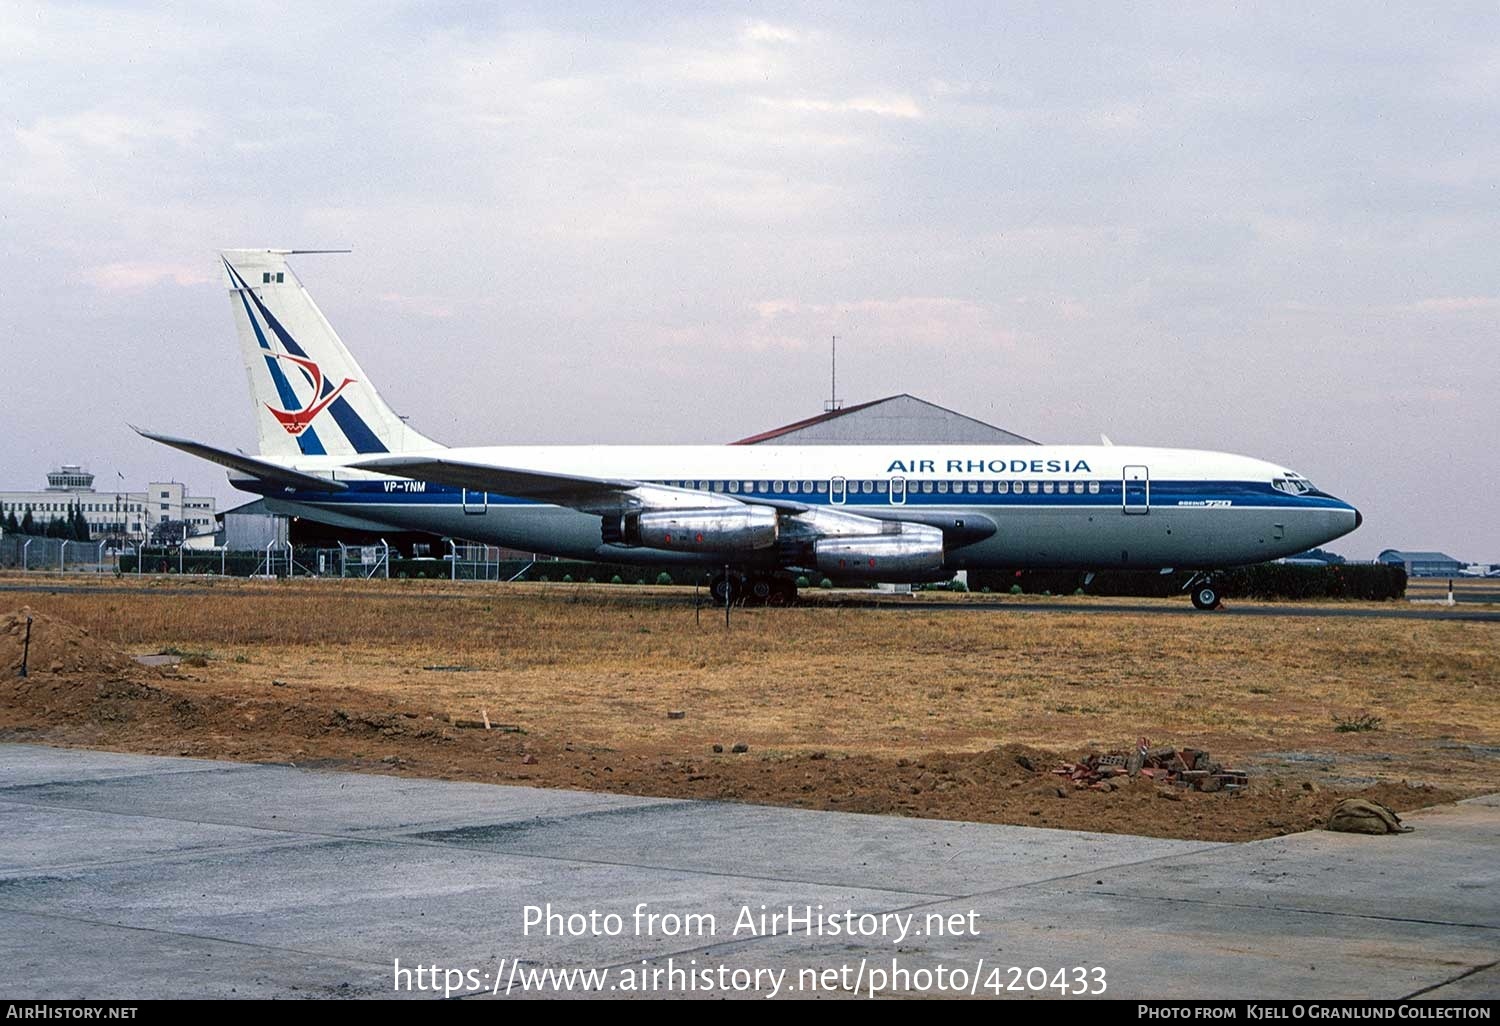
(1398, 556)
(895, 419)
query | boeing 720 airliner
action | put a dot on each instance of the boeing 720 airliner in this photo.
(333, 451)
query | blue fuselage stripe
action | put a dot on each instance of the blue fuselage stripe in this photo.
(1164, 495)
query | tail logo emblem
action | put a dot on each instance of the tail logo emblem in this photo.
(298, 421)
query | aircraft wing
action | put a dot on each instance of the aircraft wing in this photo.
(589, 494)
(562, 489)
(249, 465)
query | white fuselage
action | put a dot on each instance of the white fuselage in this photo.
(1056, 506)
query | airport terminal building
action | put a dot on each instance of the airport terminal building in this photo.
(111, 514)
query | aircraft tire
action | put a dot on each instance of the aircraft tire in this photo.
(760, 590)
(1206, 597)
(783, 591)
(722, 585)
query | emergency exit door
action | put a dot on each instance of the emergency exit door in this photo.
(475, 503)
(1136, 489)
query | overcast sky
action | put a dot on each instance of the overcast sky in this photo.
(1266, 230)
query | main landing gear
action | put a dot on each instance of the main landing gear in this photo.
(1205, 591)
(753, 589)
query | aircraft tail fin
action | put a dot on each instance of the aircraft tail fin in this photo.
(311, 397)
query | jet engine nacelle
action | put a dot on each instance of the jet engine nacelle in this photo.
(733, 529)
(916, 554)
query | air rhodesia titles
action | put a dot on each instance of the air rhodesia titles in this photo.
(982, 466)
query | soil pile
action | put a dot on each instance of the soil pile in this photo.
(57, 647)
(74, 680)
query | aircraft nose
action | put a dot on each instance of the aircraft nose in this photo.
(1359, 518)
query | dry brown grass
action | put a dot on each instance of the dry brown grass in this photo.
(954, 713)
(601, 666)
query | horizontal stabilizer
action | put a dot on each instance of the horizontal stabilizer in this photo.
(564, 489)
(255, 468)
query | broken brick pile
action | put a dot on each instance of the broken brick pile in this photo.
(1190, 768)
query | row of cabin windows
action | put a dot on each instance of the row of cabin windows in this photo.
(881, 487)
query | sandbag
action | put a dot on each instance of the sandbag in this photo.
(1362, 816)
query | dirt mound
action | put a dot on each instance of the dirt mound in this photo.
(57, 647)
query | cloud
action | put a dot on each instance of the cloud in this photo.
(884, 106)
(941, 322)
(765, 32)
(1001, 208)
(111, 131)
(97, 152)
(434, 307)
(132, 276)
(1116, 117)
(1451, 304)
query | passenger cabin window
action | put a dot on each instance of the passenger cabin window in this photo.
(926, 487)
(734, 486)
(1031, 486)
(942, 487)
(778, 486)
(1093, 487)
(1047, 487)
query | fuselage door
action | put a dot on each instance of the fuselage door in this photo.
(475, 503)
(836, 491)
(898, 491)
(1136, 489)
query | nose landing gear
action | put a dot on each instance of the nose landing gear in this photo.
(1205, 592)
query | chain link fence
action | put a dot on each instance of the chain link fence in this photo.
(33, 552)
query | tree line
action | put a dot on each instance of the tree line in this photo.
(71, 526)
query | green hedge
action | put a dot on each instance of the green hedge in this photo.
(235, 564)
(554, 570)
(1367, 581)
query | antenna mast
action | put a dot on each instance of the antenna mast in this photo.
(834, 402)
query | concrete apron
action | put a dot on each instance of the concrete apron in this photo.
(125, 876)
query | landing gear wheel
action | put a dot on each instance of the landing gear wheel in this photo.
(725, 588)
(783, 592)
(760, 591)
(1206, 597)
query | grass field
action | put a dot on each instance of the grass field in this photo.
(597, 669)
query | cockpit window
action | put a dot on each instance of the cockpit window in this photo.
(1292, 485)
